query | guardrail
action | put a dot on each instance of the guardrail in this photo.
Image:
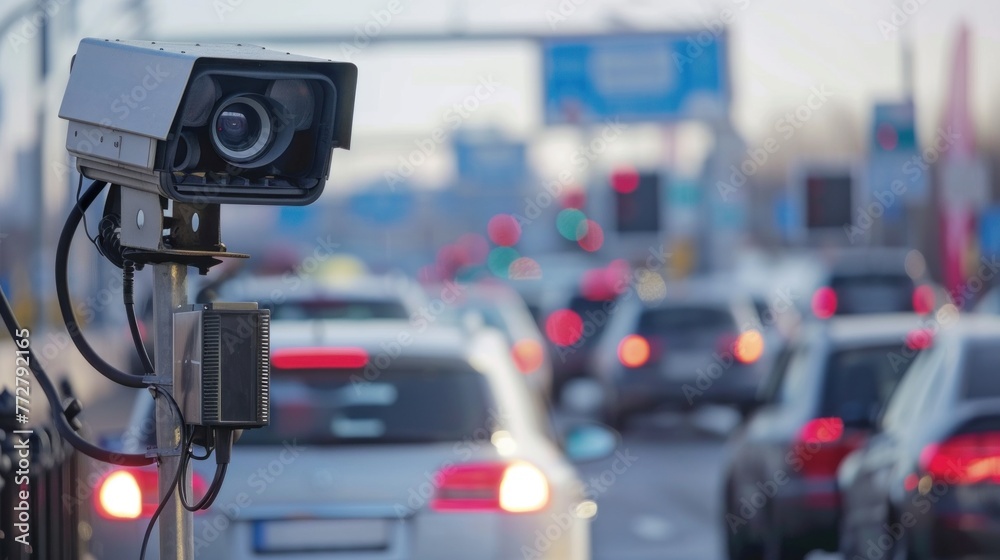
(37, 471)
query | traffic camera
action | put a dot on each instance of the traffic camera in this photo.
(207, 124)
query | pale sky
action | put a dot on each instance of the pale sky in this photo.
(780, 49)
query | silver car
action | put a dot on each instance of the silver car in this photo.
(384, 442)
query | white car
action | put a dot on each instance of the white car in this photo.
(502, 308)
(384, 443)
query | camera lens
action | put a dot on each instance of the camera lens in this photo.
(241, 129)
(238, 127)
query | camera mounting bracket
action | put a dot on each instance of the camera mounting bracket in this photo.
(191, 234)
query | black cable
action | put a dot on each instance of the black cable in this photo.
(62, 292)
(52, 395)
(128, 289)
(86, 229)
(210, 494)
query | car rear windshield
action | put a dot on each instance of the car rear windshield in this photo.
(337, 309)
(593, 312)
(439, 404)
(873, 293)
(687, 324)
(982, 379)
(859, 381)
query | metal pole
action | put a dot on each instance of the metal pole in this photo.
(176, 526)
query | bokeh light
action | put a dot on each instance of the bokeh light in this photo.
(474, 248)
(524, 268)
(564, 327)
(593, 237)
(569, 222)
(625, 179)
(500, 259)
(504, 230)
(633, 351)
(749, 346)
(574, 198)
(650, 286)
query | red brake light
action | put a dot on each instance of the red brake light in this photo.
(749, 346)
(133, 493)
(633, 351)
(923, 299)
(964, 459)
(822, 445)
(319, 358)
(919, 339)
(514, 488)
(822, 430)
(564, 327)
(824, 302)
(528, 355)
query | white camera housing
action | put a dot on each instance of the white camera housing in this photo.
(207, 124)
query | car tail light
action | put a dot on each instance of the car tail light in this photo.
(564, 327)
(919, 339)
(319, 358)
(964, 459)
(528, 355)
(633, 351)
(514, 488)
(824, 302)
(923, 299)
(749, 346)
(822, 444)
(133, 493)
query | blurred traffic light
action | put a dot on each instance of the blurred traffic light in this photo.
(894, 128)
(828, 200)
(637, 201)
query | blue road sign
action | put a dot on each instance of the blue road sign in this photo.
(491, 163)
(656, 77)
(383, 207)
(989, 231)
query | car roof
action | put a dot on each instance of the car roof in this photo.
(709, 291)
(300, 288)
(396, 338)
(868, 260)
(973, 327)
(844, 330)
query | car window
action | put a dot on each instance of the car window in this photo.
(907, 400)
(981, 378)
(796, 375)
(873, 293)
(320, 407)
(683, 327)
(769, 391)
(336, 309)
(859, 381)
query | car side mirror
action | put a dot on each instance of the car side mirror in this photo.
(590, 441)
